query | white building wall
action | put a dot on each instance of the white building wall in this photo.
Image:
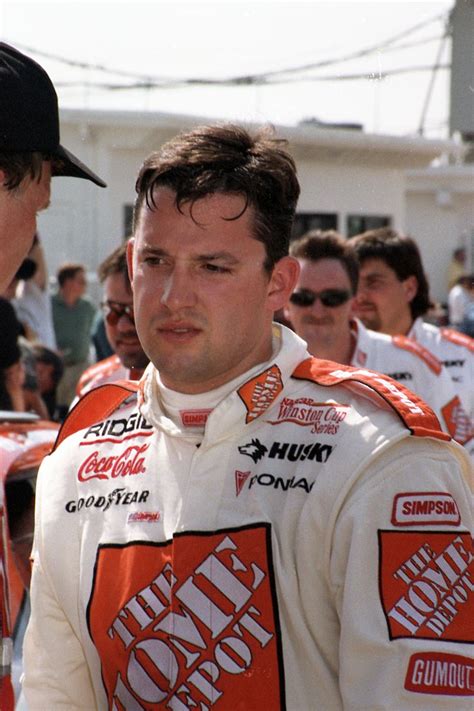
(352, 189)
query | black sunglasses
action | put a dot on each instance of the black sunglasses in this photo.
(114, 310)
(329, 297)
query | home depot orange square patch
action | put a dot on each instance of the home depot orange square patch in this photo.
(191, 622)
(427, 584)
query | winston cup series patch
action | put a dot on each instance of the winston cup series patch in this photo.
(190, 622)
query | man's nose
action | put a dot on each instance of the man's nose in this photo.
(179, 291)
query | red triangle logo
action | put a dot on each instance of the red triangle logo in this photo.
(240, 479)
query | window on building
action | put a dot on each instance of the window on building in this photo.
(306, 221)
(361, 223)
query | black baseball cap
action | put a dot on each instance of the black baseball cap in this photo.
(29, 116)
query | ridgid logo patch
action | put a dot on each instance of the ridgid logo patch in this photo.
(116, 430)
(201, 633)
(427, 584)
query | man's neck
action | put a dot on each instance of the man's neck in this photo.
(69, 299)
(340, 350)
(399, 327)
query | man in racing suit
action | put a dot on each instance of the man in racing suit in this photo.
(259, 529)
(129, 361)
(320, 311)
(393, 297)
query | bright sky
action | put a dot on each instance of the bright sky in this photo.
(230, 38)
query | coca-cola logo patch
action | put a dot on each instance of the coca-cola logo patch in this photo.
(189, 623)
(101, 466)
(427, 584)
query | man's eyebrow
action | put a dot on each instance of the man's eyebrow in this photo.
(212, 256)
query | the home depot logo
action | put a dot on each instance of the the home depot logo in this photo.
(189, 623)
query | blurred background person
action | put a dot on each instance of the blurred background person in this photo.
(32, 300)
(459, 298)
(456, 267)
(49, 369)
(73, 316)
(393, 297)
(321, 312)
(129, 360)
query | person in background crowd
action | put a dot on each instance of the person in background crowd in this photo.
(238, 533)
(393, 296)
(459, 298)
(102, 347)
(321, 312)
(18, 386)
(73, 316)
(32, 301)
(129, 360)
(30, 153)
(49, 369)
(456, 268)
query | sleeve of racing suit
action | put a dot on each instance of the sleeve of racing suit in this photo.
(401, 570)
(451, 412)
(56, 675)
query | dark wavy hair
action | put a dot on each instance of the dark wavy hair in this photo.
(401, 254)
(328, 244)
(228, 159)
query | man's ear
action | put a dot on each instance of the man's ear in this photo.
(282, 282)
(411, 287)
(130, 246)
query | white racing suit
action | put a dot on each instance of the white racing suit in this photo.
(456, 352)
(416, 368)
(312, 554)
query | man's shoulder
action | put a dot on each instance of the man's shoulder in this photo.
(381, 390)
(115, 401)
(101, 372)
(450, 335)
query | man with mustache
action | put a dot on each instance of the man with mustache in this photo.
(393, 297)
(129, 359)
(321, 312)
(237, 531)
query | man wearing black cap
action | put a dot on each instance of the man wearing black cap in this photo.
(30, 153)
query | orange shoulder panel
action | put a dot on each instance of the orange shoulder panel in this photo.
(411, 409)
(103, 367)
(413, 347)
(96, 405)
(461, 339)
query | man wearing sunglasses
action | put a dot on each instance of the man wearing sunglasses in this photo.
(129, 360)
(320, 310)
(225, 537)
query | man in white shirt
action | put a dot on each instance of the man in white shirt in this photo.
(321, 312)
